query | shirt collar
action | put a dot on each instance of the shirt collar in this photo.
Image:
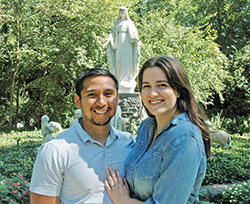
(175, 121)
(180, 118)
(113, 133)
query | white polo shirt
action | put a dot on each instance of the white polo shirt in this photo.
(73, 165)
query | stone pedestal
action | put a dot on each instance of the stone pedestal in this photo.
(132, 109)
(127, 86)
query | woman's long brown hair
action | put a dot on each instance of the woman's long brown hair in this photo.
(178, 80)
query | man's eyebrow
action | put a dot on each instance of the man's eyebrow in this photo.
(90, 90)
(93, 90)
(109, 89)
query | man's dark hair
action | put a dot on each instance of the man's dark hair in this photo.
(90, 73)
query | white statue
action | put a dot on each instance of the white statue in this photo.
(56, 126)
(77, 114)
(20, 125)
(47, 129)
(32, 122)
(118, 121)
(124, 51)
(219, 137)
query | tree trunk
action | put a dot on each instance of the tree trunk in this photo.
(13, 81)
(17, 103)
(219, 19)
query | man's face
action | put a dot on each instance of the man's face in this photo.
(98, 102)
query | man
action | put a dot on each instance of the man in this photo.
(71, 168)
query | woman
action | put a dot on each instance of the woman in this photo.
(123, 51)
(168, 162)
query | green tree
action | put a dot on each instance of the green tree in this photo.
(58, 41)
(226, 23)
(237, 93)
(230, 20)
(204, 62)
(11, 39)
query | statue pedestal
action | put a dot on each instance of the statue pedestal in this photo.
(126, 90)
(127, 86)
(132, 109)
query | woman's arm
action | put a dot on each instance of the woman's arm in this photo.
(118, 189)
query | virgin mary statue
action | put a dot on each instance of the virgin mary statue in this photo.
(123, 51)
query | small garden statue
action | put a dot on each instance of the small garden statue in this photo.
(32, 122)
(20, 125)
(118, 121)
(77, 114)
(47, 129)
(219, 137)
(56, 126)
(123, 51)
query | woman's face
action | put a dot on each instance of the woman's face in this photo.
(157, 94)
(122, 14)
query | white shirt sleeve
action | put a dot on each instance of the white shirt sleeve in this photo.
(48, 170)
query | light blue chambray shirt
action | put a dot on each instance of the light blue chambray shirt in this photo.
(172, 169)
(72, 166)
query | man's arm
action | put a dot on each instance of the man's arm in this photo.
(46, 180)
(42, 199)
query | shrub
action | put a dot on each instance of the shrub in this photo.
(237, 194)
(18, 152)
(236, 106)
(237, 92)
(236, 124)
(14, 190)
(229, 165)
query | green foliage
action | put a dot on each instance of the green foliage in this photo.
(237, 92)
(240, 124)
(235, 108)
(14, 190)
(200, 56)
(45, 45)
(229, 20)
(236, 194)
(224, 22)
(134, 127)
(232, 22)
(57, 41)
(18, 152)
(238, 86)
(229, 165)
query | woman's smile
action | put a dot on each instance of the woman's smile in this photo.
(156, 101)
